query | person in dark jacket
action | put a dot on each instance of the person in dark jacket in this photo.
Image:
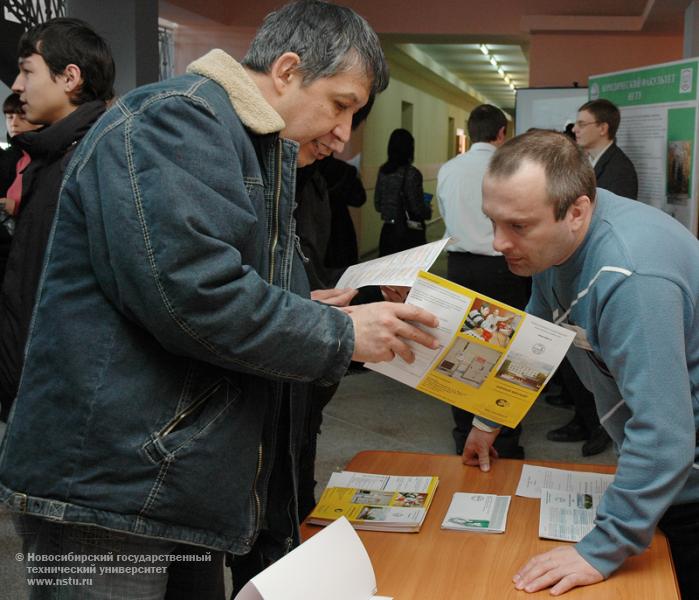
(399, 197)
(66, 74)
(345, 189)
(595, 131)
(13, 161)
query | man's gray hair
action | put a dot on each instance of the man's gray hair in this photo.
(329, 39)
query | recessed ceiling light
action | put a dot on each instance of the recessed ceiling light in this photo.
(484, 49)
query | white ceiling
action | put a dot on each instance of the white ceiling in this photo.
(470, 65)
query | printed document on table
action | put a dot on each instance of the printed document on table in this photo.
(400, 268)
(534, 479)
(567, 516)
(331, 564)
(492, 360)
(477, 512)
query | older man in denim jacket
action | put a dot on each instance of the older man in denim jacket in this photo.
(162, 396)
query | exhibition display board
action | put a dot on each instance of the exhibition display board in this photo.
(658, 131)
(547, 108)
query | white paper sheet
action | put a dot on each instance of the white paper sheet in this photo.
(534, 479)
(396, 269)
(332, 564)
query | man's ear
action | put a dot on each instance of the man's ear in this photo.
(73, 79)
(579, 211)
(502, 132)
(604, 128)
(284, 71)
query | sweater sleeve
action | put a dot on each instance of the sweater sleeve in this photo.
(641, 328)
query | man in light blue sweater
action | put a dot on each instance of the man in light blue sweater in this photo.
(625, 277)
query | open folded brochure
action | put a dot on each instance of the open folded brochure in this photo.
(332, 564)
(477, 512)
(376, 502)
(493, 360)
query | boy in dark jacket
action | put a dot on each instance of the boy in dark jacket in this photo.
(66, 73)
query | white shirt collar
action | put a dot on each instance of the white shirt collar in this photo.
(594, 157)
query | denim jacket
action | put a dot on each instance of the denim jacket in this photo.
(166, 338)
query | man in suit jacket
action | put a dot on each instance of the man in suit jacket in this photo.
(595, 129)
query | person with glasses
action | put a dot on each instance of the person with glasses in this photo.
(595, 131)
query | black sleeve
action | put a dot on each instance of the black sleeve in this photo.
(415, 205)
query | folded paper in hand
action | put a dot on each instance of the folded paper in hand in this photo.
(332, 564)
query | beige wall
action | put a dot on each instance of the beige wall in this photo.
(432, 108)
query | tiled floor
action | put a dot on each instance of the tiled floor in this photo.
(371, 412)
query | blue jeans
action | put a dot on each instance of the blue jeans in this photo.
(76, 562)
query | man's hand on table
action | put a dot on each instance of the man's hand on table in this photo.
(563, 568)
(478, 448)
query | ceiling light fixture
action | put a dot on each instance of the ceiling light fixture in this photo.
(493, 61)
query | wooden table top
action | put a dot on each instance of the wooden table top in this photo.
(437, 564)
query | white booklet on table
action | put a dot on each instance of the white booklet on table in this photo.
(477, 512)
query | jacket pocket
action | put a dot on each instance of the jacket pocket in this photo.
(195, 420)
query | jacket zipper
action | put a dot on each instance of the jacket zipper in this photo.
(177, 419)
(275, 213)
(275, 236)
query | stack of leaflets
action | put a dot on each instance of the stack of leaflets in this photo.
(477, 512)
(569, 499)
(376, 502)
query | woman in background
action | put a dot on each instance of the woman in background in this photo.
(399, 197)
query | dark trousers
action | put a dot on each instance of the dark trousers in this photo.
(490, 276)
(319, 398)
(583, 400)
(681, 526)
(396, 237)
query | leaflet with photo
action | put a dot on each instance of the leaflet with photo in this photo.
(376, 502)
(567, 516)
(493, 360)
(477, 512)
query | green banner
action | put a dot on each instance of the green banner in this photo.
(670, 83)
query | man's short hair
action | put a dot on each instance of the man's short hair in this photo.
(63, 41)
(485, 122)
(568, 171)
(329, 39)
(604, 111)
(12, 105)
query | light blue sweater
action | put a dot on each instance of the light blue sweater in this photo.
(636, 281)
